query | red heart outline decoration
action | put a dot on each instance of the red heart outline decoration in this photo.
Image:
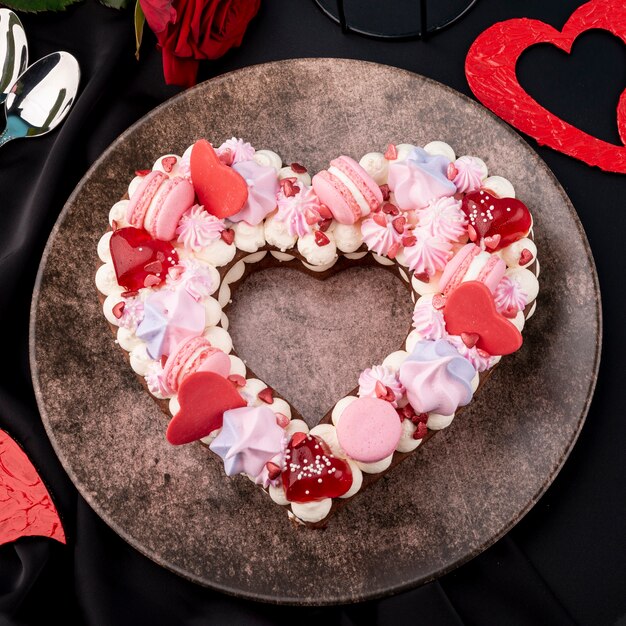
(490, 71)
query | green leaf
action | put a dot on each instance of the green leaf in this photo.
(140, 21)
(116, 4)
(34, 6)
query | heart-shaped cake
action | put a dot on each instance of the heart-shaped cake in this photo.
(194, 226)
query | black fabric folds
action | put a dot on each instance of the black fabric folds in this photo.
(564, 563)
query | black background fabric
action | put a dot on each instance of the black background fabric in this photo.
(564, 563)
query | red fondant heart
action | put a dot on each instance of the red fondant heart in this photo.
(312, 472)
(220, 189)
(26, 508)
(470, 310)
(139, 260)
(497, 222)
(203, 398)
(490, 70)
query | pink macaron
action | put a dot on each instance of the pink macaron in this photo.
(195, 354)
(369, 429)
(347, 190)
(158, 204)
(472, 263)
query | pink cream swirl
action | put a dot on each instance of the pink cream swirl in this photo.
(479, 359)
(197, 228)
(379, 235)
(132, 313)
(376, 381)
(469, 174)
(298, 212)
(239, 150)
(443, 218)
(195, 277)
(428, 254)
(509, 296)
(428, 321)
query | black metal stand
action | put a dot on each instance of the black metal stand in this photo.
(336, 10)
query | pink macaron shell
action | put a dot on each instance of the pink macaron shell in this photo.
(369, 429)
(141, 199)
(216, 361)
(183, 360)
(362, 180)
(337, 197)
(459, 262)
(178, 197)
(493, 272)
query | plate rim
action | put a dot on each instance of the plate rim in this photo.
(338, 599)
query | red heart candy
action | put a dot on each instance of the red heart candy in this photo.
(221, 190)
(27, 509)
(312, 472)
(497, 221)
(140, 261)
(490, 71)
(470, 310)
(203, 398)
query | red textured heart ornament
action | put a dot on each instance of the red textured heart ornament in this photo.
(470, 311)
(26, 508)
(490, 71)
(220, 189)
(312, 472)
(139, 260)
(497, 222)
(203, 398)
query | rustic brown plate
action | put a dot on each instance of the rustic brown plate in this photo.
(441, 507)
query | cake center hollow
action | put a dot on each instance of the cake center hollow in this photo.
(310, 339)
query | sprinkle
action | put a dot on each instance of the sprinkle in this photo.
(266, 395)
(321, 239)
(391, 153)
(298, 169)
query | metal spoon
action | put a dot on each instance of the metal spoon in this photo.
(41, 97)
(13, 51)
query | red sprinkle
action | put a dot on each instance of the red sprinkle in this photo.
(391, 153)
(163, 360)
(380, 219)
(390, 209)
(324, 212)
(226, 157)
(470, 339)
(237, 380)
(273, 470)
(525, 257)
(118, 309)
(421, 431)
(452, 171)
(228, 235)
(154, 267)
(394, 248)
(383, 392)
(114, 224)
(399, 223)
(151, 281)
(423, 276)
(406, 412)
(289, 187)
(311, 216)
(510, 312)
(168, 163)
(298, 439)
(492, 242)
(282, 420)
(471, 231)
(419, 418)
(130, 294)
(142, 172)
(325, 224)
(409, 241)
(384, 189)
(267, 395)
(439, 301)
(321, 239)
(298, 169)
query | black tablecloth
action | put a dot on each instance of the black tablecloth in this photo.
(564, 563)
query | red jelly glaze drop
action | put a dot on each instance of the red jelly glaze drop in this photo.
(303, 472)
(136, 255)
(507, 217)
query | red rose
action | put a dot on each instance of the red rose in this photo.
(191, 30)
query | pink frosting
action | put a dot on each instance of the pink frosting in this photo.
(239, 149)
(155, 382)
(428, 321)
(132, 313)
(194, 276)
(443, 218)
(469, 174)
(380, 374)
(262, 184)
(197, 228)
(377, 238)
(479, 359)
(428, 254)
(510, 296)
(300, 211)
